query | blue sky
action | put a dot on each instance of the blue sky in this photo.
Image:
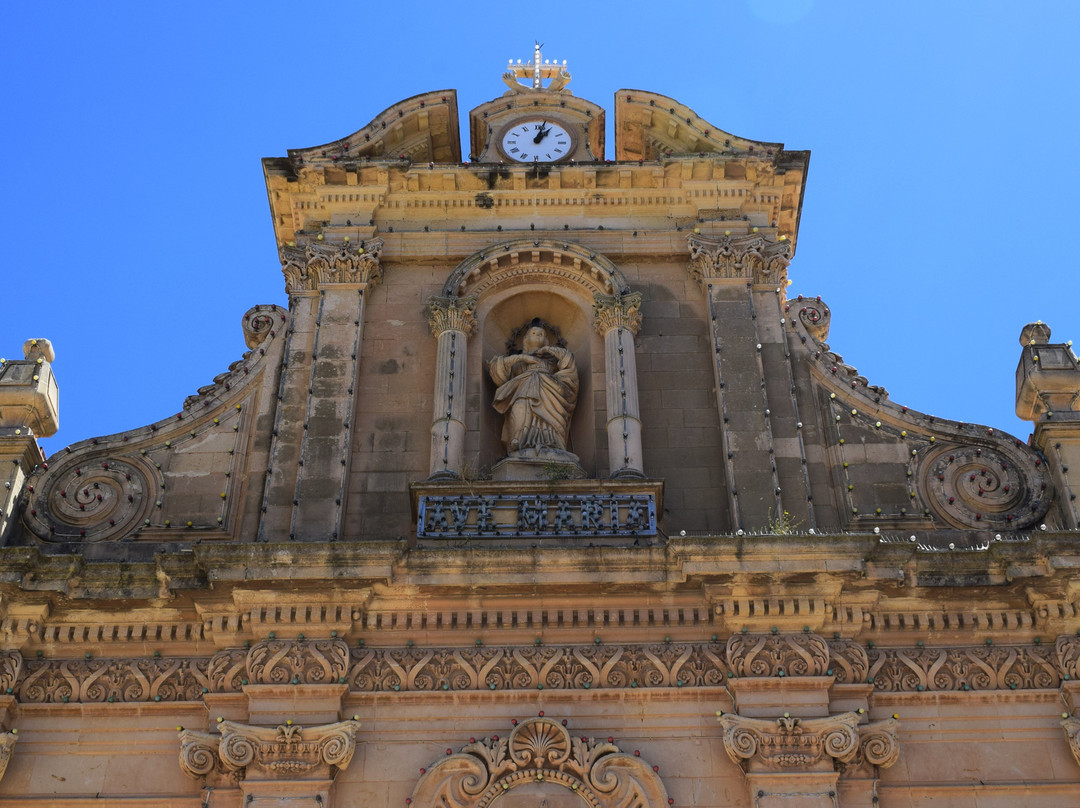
(939, 215)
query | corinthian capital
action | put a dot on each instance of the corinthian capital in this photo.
(617, 311)
(750, 257)
(451, 314)
(313, 265)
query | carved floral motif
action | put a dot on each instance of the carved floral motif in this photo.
(314, 264)
(272, 662)
(971, 668)
(848, 661)
(1067, 652)
(540, 750)
(451, 314)
(10, 667)
(777, 654)
(617, 311)
(790, 743)
(750, 257)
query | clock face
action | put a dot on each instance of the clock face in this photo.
(537, 141)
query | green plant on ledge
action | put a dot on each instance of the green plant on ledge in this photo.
(781, 524)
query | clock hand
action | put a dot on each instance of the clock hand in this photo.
(543, 133)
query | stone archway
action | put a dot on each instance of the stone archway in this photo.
(540, 759)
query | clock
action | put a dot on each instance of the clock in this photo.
(536, 140)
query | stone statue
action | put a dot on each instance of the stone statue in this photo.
(537, 392)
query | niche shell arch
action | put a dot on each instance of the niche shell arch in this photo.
(497, 272)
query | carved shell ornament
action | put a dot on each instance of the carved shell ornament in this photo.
(539, 751)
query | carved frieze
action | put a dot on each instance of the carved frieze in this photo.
(617, 311)
(288, 751)
(451, 314)
(11, 663)
(527, 667)
(789, 743)
(540, 751)
(309, 266)
(750, 257)
(995, 667)
(777, 655)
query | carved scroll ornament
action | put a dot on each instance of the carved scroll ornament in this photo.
(790, 743)
(540, 751)
(314, 264)
(1071, 726)
(288, 751)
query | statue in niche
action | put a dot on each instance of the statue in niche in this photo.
(537, 392)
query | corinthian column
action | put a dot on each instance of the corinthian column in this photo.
(617, 319)
(451, 321)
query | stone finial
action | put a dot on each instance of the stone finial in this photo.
(1035, 334)
(1048, 376)
(35, 348)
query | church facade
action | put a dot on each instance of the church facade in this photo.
(541, 491)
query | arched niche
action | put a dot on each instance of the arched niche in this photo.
(494, 292)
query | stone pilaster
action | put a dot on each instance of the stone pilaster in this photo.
(451, 321)
(327, 285)
(1048, 394)
(28, 410)
(617, 319)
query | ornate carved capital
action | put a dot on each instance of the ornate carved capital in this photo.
(777, 655)
(617, 311)
(750, 257)
(790, 743)
(286, 752)
(7, 746)
(315, 264)
(1071, 726)
(537, 751)
(451, 314)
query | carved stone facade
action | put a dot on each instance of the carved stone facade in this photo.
(746, 579)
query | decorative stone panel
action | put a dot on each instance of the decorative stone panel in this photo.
(540, 750)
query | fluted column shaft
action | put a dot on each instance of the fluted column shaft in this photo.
(617, 320)
(451, 322)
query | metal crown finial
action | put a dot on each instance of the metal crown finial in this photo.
(536, 71)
